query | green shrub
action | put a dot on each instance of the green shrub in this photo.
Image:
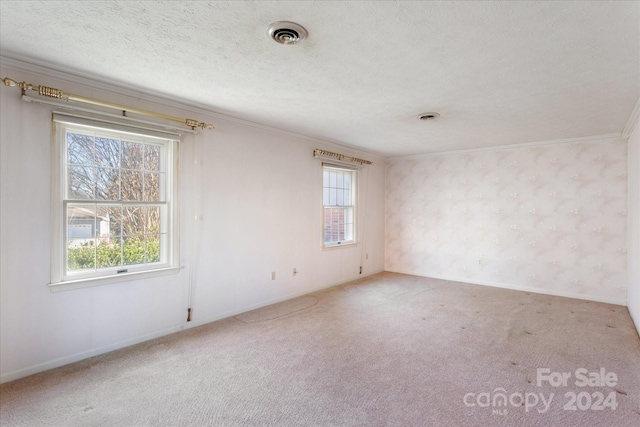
(110, 255)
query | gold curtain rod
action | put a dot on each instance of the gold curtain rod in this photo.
(342, 157)
(58, 94)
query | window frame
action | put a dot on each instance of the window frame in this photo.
(354, 202)
(61, 278)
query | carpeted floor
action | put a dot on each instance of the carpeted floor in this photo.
(387, 350)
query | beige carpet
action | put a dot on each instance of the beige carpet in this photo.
(388, 350)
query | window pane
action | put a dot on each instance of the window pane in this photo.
(116, 197)
(80, 149)
(348, 231)
(153, 248)
(348, 215)
(151, 187)
(162, 187)
(107, 184)
(81, 222)
(109, 252)
(131, 155)
(152, 221)
(327, 225)
(334, 220)
(151, 157)
(80, 182)
(133, 221)
(131, 185)
(133, 250)
(109, 222)
(339, 225)
(81, 254)
(108, 152)
(332, 196)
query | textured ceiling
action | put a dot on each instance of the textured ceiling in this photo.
(497, 72)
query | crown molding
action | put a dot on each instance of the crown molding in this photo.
(113, 86)
(512, 146)
(633, 121)
(77, 78)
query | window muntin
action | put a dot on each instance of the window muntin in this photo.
(338, 193)
(116, 202)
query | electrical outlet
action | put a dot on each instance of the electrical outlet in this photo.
(273, 275)
(366, 256)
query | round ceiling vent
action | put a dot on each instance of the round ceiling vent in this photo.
(429, 116)
(287, 32)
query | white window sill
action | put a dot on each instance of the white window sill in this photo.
(338, 245)
(68, 285)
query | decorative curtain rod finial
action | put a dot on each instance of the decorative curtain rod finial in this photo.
(12, 83)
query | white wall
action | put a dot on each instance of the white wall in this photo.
(257, 193)
(546, 218)
(633, 295)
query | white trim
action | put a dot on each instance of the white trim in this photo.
(341, 166)
(621, 302)
(44, 69)
(88, 282)
(355, 192)
(60, 278)
(113, 125)
(633, 121)
(346, 243)
(636, 322)
(235, 312)
(40, 68)
(511, 146)
(172, 130)
(337, 164)
(62, 361)
(633, 182)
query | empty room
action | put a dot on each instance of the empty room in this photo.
(320, 213)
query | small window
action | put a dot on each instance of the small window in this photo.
(339, 205)
(115, 193)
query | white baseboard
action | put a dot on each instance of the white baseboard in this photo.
(521, 288)
(56, 363)
(231, 313)
(66, 360)
(636, 321)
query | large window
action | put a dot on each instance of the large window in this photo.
(115, 205)
(339, 205)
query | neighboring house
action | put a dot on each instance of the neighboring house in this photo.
(84, 226)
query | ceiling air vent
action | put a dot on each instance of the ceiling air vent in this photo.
(428, 116)
(287, 32)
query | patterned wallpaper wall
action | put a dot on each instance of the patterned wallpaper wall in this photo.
(551, 217)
